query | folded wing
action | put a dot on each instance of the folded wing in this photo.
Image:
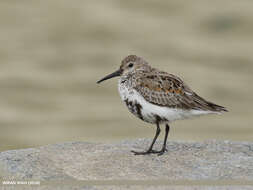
(163, 89)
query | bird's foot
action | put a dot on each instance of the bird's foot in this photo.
(144, 152)
(158, 152)
(162, 151)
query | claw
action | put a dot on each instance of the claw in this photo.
(159, 153)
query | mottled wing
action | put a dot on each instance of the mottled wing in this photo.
(168, 90)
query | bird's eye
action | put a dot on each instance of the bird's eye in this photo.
(130, 65)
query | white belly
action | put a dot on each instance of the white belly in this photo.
(149, 111)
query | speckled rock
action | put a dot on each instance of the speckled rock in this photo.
(211, 160)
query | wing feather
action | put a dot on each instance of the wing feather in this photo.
(163, 89)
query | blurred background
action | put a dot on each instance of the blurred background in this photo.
(53, 52)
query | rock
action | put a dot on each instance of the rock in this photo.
(211, 160)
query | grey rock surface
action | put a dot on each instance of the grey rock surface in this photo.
(210, 160)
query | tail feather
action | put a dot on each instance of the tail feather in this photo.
(206, 105)
(216, 107)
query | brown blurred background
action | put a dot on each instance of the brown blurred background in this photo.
(53, 52)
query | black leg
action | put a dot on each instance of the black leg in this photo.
(150, 151)
(167, 129)
(158, 130)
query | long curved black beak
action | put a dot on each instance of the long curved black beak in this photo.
(114, 74)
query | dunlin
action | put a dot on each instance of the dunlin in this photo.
(158, 97)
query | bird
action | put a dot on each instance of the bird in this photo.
(157, 97)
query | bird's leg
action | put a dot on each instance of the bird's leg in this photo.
(167, 129)
(150, 151)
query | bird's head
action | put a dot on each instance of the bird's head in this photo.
(129, 65)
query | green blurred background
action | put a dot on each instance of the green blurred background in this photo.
(53, 52)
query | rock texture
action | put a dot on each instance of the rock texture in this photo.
(211, 160)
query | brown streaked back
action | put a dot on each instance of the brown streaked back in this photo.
(164, 89)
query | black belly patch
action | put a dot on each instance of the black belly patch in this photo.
(160, 119)
(135, 108)
(138, 108)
